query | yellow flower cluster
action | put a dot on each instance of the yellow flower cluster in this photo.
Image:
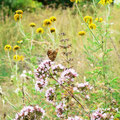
(20, 41)
(18, 15)
(99, 19)
(52, 30)
(104, 2)
(47, 22)
(52, 19)
(32, 24)
(92, 26)
(16, 47)
(75, 1)
(18, 58)
(81, 33)
(40, 30)
(7, 47)
(89, 20)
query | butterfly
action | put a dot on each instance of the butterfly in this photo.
(52, 54)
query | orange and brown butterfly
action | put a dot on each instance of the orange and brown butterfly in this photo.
(52, 54)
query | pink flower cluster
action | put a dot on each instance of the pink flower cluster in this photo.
(100, 114)
(60, 110)
(67, 76)
(42, 73)
(30, 112)
(74, 118)
(84, 85)
(50, 94)
(40, 85)
(43, 70)
(57, 68)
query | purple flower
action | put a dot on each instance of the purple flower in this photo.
(30, 112)
(42, 71)
(74, 118)
(67, 76)
(60, 110)
(57, 68)
(50, 94)
(40, 84)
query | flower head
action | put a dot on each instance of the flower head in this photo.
(104, 2)
(46, 22)
(52, 30)
(52, 19)
(22, 58)
(7, 47)
(50, 94)
(17, 17)
(40, 84)
(30, 112)
(81, 33)
(57, 68)
(42, 72)
(40, 30)
(32, 24)
(67, 76)
(88, 19)
(74, 118)
(99, 19)
(16, 47)
(75, 1)
(16, 57)
(60, 110)
(20, 41)
(19, 12)
(92, 26)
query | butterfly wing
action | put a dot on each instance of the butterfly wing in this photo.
(52, 54)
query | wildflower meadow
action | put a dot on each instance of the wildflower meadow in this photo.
(60, 63)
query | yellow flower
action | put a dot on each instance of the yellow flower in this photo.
(20, 41)
(92, 26)
(72, 0)
(116, 119)
(7, 48)
(104, 2)
(53, 19)
(32, 24)
(16, 47)
(52, 30)
(75, 1)
(40, 30)
(22, 58)
(19, 12)
(16, 57)
(46, 22)
(88, 19)
(81, 33)
(17, 17)
(99, 19)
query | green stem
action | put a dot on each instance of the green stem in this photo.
(31, 40)
(16, 66)
(9, 60)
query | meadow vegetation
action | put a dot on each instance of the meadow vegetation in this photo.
(60, 64)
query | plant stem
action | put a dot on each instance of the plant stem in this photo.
(31, 40)
(9, 60)
(23, 90)
(70, 94)
(16, 66)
